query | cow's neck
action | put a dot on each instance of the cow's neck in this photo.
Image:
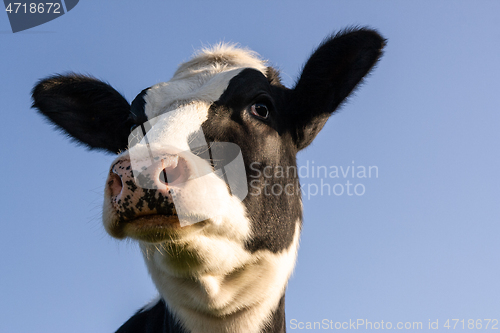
(158, 318)
(250, 299)
(275, 324)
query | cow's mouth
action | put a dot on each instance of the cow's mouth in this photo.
(157, 228)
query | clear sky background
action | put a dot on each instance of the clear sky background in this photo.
(422, 242)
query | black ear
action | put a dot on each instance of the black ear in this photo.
(329, 76)
(88, 110)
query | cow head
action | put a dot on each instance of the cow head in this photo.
(205, 179)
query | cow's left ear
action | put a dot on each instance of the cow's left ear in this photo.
(329, 76)
(88, 110)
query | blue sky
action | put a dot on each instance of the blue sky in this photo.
(421, 243)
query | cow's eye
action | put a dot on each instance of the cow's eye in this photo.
(259, 110)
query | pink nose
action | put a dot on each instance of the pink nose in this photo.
(145, 187)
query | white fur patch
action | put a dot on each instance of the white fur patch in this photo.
(233, 291)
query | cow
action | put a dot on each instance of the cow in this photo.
(190, 183)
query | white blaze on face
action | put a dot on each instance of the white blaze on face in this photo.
(176, 127)
(196, 191)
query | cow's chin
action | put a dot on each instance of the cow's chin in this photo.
(155, 229)
(152, 228)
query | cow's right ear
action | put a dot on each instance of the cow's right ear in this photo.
(88, 110)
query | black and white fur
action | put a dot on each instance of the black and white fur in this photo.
(224, 274)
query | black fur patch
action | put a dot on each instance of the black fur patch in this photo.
(158, 319)
(137, 108)
(264, 144)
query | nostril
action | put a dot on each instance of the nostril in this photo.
(169, 175)
(115, 184)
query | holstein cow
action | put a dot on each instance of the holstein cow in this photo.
(219, 251)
